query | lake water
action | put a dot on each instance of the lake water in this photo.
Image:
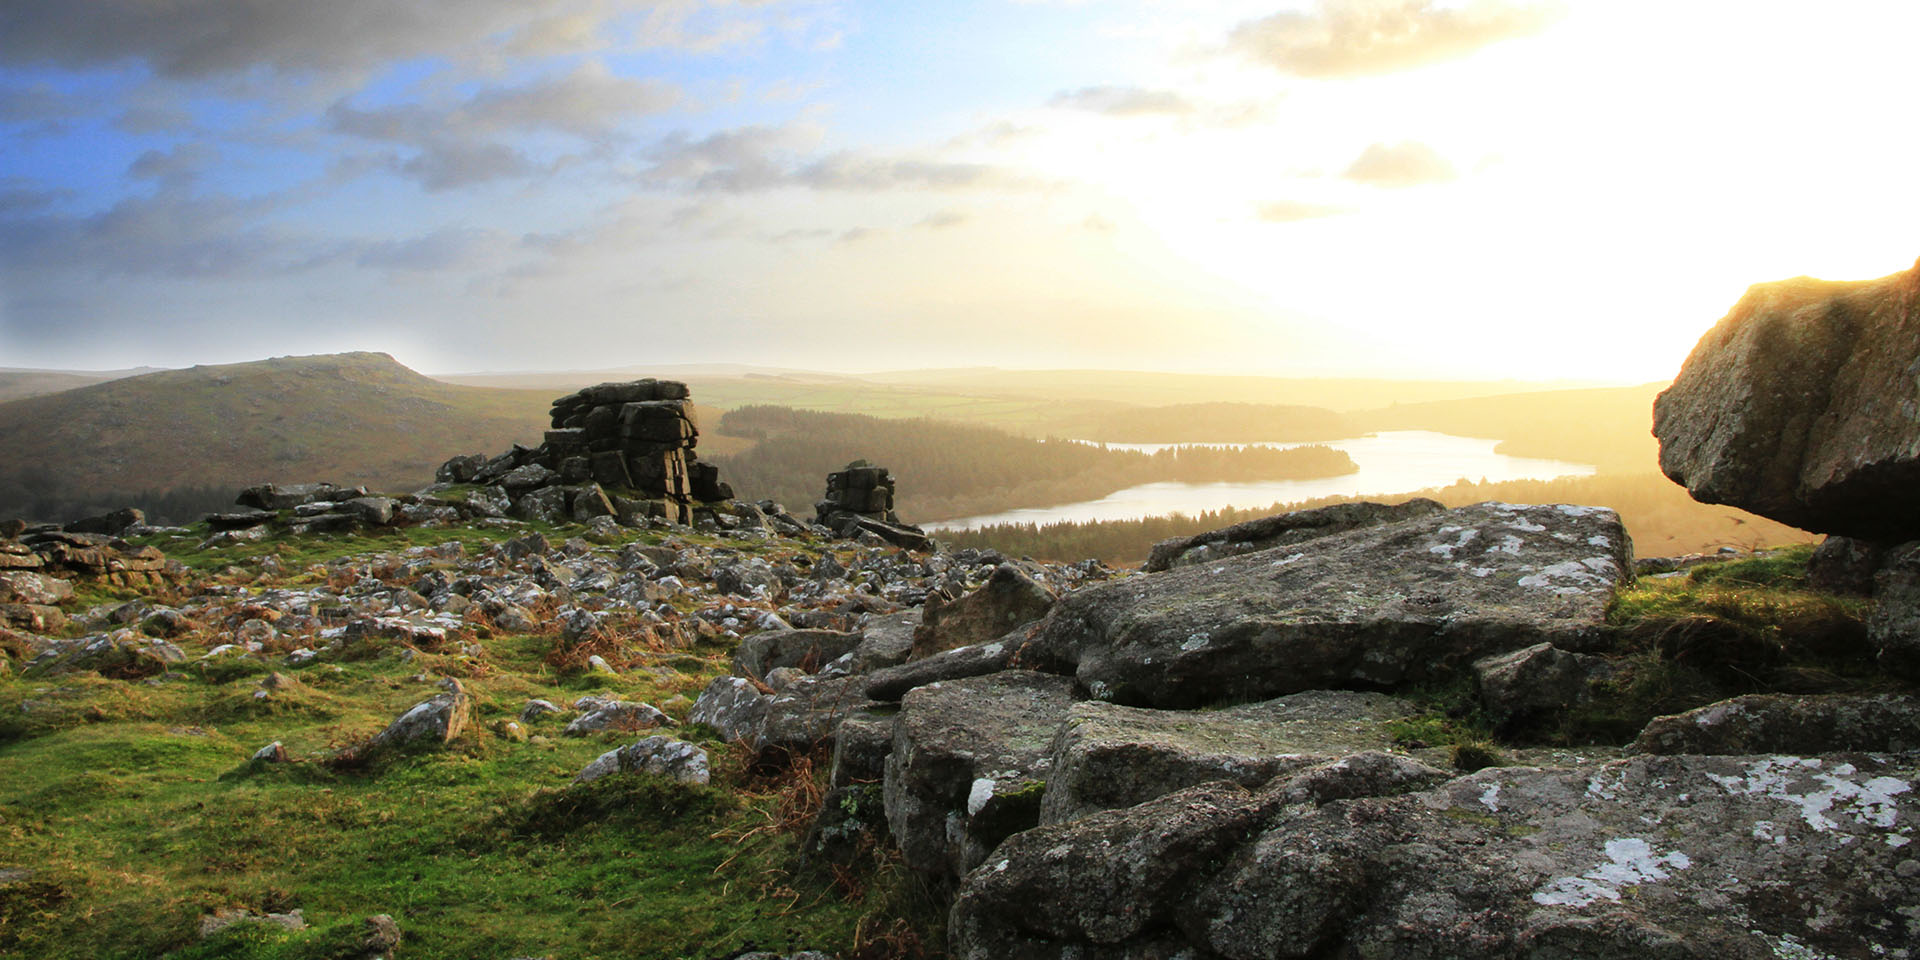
(1391, 462)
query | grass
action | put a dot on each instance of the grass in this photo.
(1748, 625)
(1720, 630)
(137, 810)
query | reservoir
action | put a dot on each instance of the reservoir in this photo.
(1390, 462)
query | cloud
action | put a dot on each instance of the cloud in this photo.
(758, 158)
(154, 118)
(1123, 101)
(470, 140)
(739, 160)
(1405, 164)
(1344, 38)
(38, 103)
(184, 162)
(21, 197)
(173, 232)
(451, 164)
(858, 170)
(943, 219)
(587, 103)
(436, 251)
(1293, 211)
(196, 39)
(857, 234)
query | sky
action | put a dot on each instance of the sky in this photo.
(1435, 189)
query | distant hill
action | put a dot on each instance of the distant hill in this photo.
(348, 418)
(1211, 423)
(17, 383)
(1611, 428)
(180, 442)
(1144, 388)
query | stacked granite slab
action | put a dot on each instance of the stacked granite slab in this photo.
(607, 439)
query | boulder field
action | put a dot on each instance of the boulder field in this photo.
(1209, 761)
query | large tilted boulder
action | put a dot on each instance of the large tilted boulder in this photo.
(1108, 756)
(1375, 607)
(1799, 405)
(978, 660)
(885, 641)
(1650, 857)
(1281, 530)
(969, 765)
(733, 706)
(25, 586)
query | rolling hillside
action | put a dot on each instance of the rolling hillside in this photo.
(17, 383)
(348, 418)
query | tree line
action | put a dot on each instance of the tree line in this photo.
(1662, 519)
(946, 470)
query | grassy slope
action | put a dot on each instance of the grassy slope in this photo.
(349, 418)
(138, 812)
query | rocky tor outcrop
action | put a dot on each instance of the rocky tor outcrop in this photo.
(615, 449)
(860, 499)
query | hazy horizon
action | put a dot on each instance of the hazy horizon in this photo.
(1532, 190)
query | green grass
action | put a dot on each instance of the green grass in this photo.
(137, 810)
(1749, 625)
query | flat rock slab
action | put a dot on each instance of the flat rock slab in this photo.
(969, 764)
(1783, 723)
(1677, 857)
(1108, 756)
(892, 683)
(1375, 607)
(1281, 529)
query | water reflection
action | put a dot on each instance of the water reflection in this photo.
(1392, 462)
